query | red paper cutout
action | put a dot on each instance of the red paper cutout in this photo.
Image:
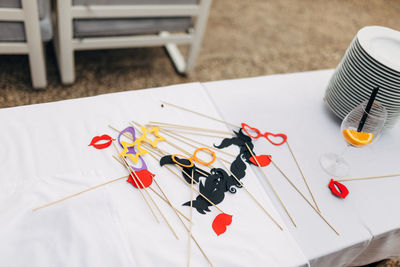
(145, 177)
(266, 135)
(263, 160)
(221, 222)
(102, 145)
(281, 135)
(338, 189)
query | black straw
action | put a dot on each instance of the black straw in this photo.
(367, 109)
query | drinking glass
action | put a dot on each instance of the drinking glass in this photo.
(355, 135)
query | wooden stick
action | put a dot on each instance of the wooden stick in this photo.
(148, 147)
(191, 217)
(81, 192)
(189, 176)
(189, 144)
(198, 113)
(220, 159)
(151, 198)
(206, 116)
(167, 200)
(190, 128)
(136, 184)
(368, 177)
(175, 146)
(187, 229)
(295, 159)
(309, 203)
(209, 117)
(152, 155)
(183, 180)
(197, 142)
(191, 234)
(170, 143)
(183, 131)
(302, 175)
(253, 197)
(270, 184)
(157, 194)
(209, 201)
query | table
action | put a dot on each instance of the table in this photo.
(45, 156)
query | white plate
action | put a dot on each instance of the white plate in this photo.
(378, 67)
(351, 90)
(368, 58)
(372, 71)
(367, 80)
(383, 44)
(341, 99)
(363, 81)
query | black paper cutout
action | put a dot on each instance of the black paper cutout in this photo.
(238, 166)
(218, 181)
(213, 188)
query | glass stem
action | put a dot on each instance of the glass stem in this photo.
(343, 151)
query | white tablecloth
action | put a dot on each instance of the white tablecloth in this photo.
(45, 156)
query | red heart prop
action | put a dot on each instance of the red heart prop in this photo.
(338, 189)
(221, 222)
(281, 135)
(97, 139)
(244, 126)
(263, 160)
(145, 177)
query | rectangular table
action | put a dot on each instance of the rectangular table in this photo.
(45, 156)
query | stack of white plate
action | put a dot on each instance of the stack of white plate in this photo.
(373, 59)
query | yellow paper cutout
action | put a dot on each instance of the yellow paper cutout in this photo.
(154, 131)
(138, 149)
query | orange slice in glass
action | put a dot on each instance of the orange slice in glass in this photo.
(357, 138)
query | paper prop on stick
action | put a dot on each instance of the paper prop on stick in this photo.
(221, 222)
(248, 130)
(338, 189)
(101, 142)
(214, 186)
(153, 131)
(238, 167)
(130, 150)
(145, 177)
(197, 172)
(263, 160)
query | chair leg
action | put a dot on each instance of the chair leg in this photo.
(199, 29)
(175, 55)
(35, 44)
(63, 42)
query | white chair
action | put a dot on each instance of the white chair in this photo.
(112, 24)
(24, 25)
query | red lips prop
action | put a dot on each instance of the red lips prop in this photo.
(263, 160)
(145, 177)
(221, 222)
(267, 135)
(97, 141)
(338, 189)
